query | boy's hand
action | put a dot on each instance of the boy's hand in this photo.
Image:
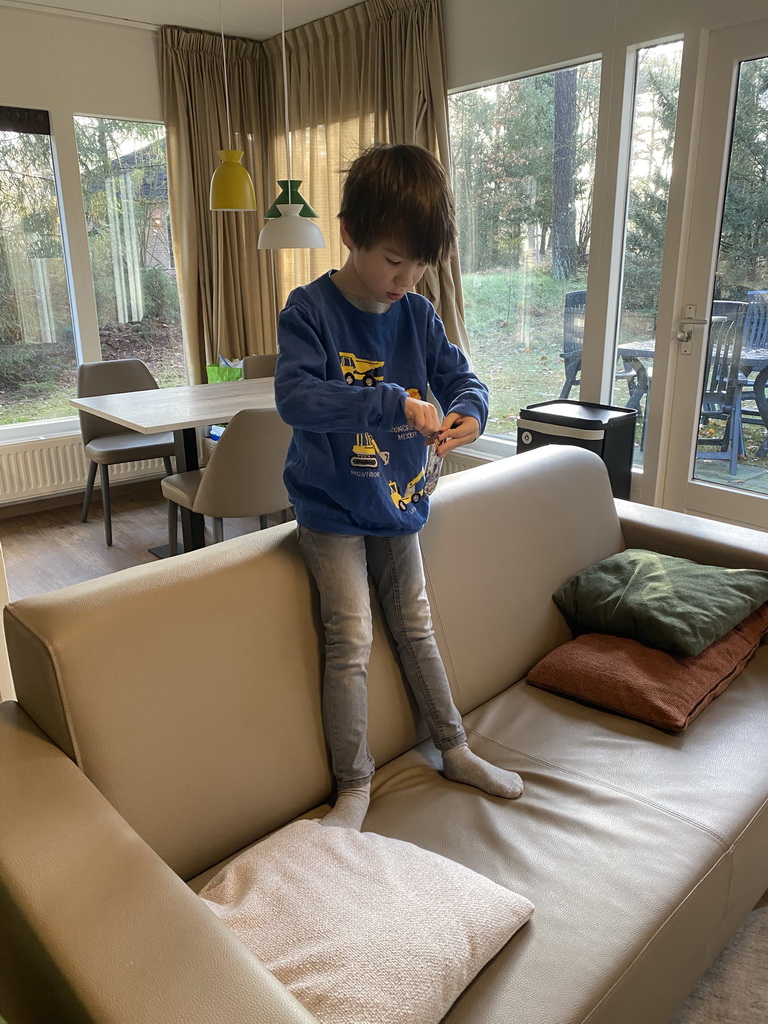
(422, 416)
(456, 430)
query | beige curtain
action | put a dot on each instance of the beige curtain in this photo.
(223, 277)
(374, 72)
(371, 73)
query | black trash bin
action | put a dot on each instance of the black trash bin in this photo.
(607, 430)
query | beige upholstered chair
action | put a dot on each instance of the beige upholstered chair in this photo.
(244, 476)
(108, 444)
(259, 366)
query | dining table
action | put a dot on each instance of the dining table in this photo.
(752, 361)
(182, 410)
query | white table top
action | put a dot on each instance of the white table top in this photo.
(192, 405)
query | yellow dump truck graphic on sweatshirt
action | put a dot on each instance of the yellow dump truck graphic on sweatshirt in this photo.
(354, 368)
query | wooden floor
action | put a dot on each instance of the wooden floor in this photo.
(46, 550)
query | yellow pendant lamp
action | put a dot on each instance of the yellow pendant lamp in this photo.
(231, 185)
(288, 219)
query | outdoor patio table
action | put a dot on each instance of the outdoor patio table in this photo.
(753, 360)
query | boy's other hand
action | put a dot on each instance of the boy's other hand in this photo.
(456, 430)
(422, 416)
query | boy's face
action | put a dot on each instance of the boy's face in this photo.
(382, 274)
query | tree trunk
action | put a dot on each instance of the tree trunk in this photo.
(563, 207)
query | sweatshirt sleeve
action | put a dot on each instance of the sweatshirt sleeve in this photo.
(311, 393)
(454, 383)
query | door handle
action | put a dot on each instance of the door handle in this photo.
(686, 330)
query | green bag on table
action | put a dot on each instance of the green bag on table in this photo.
(216, 374)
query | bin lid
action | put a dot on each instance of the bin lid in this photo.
(588, 414)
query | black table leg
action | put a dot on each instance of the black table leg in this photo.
(192, 523)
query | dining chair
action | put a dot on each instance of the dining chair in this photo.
(108, 444)
(259, 366)
(253, 367)
(244, 476)
(721, 397)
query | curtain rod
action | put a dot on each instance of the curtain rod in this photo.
(66, 12)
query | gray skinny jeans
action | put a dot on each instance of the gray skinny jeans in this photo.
(340, 565)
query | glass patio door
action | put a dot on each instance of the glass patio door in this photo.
(717, 463)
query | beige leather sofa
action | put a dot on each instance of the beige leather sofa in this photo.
(169, 716)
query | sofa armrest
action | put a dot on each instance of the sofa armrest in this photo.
(687, 536)
(94, 926)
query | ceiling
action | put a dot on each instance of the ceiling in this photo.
(257, 19)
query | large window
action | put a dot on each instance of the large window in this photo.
(523, 169)
(125, 193)
(125, 199)
(37, 349)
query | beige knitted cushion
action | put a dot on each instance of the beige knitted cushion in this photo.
(361, 928)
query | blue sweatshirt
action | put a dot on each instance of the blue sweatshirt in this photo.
(354, 465)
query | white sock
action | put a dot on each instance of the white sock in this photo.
(461, 765)
(350, 808)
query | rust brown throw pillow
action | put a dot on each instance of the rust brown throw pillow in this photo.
(664, 690)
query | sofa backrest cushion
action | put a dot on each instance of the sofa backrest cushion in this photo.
(188, 690)
(500, 540)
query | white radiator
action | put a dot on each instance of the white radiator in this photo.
(459, 460)
(56, 465)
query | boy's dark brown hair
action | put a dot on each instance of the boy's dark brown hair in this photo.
(400, 193)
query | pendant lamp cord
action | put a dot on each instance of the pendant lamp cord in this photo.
(226, 76)
(285, 97)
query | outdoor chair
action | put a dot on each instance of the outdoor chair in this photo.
(573, 343)
(754, 335)
(244, 476)
(108, 444)
(731, 310)
(573, 339)
(722, 393)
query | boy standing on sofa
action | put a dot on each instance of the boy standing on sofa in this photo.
(358, 349)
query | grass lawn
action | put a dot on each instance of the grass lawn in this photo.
(515, 325)
(25, 394)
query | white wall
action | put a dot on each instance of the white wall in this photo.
(70, 65)
(74, 66)
(488, 40)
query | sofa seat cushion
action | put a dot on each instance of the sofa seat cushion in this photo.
(604, 872)
(364, 929)
(702, 775)
(661, 600)
(616, 821)
(668, 691)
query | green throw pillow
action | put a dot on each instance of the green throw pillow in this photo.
(661, 600)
